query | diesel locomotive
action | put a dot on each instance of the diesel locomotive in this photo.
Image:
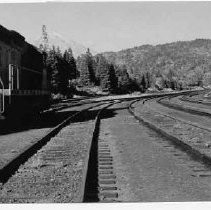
(23, 77)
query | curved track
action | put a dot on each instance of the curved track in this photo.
(178, 117)
(14, 166)
(11, 167)
(77, 155)
(153, 166)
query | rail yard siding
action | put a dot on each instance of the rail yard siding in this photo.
(195, 139)
(203, 110)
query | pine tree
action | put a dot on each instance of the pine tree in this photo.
(124, 82)
(52, 68)
(63, 76)
(148, 80)
(90, 63)
(86, 68)
(113, 78)
(44, 46)
(102, 73)
(58, 52)
(68, 57)
(105, 74)
(57, 68)
(143, 84)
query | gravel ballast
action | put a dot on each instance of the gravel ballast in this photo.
(56, 172)
(197, 139)
(13, 143)
(194, 108)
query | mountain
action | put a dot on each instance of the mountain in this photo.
(187, 62)
(57, 40)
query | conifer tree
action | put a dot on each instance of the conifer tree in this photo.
(90, 63)
(105, 74)
(86, 68)
(58, 70)
(58, 52)
(44, 46)
(148, 80)
(113, 78)
(63, 76)
(52, 67)
(143, 84)
(68, 57)
(123, 79)
(102, 73)
(84, 71)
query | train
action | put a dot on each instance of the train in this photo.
(23, 76)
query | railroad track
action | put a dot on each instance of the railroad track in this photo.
(101, 184)
(183, 107)
(97, 164)
(13, 165)
(199, 163)
(200, 101)
(100, 179)
(176, 144)
(9, 168)
(51, 152)
(66, 104)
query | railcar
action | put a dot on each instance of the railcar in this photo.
(23, 78)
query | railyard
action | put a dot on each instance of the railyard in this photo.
(111, 149)
(105, 103)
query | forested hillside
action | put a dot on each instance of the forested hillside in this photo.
(177, 65)
(173, 65)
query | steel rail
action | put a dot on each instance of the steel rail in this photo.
(191, 150)
(12, 166)
(92, 162)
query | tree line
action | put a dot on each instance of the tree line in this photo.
(177, 65)
(61, 69)
(65, 73)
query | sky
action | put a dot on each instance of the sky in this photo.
(111, 26)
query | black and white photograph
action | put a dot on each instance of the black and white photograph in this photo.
(105, 102)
